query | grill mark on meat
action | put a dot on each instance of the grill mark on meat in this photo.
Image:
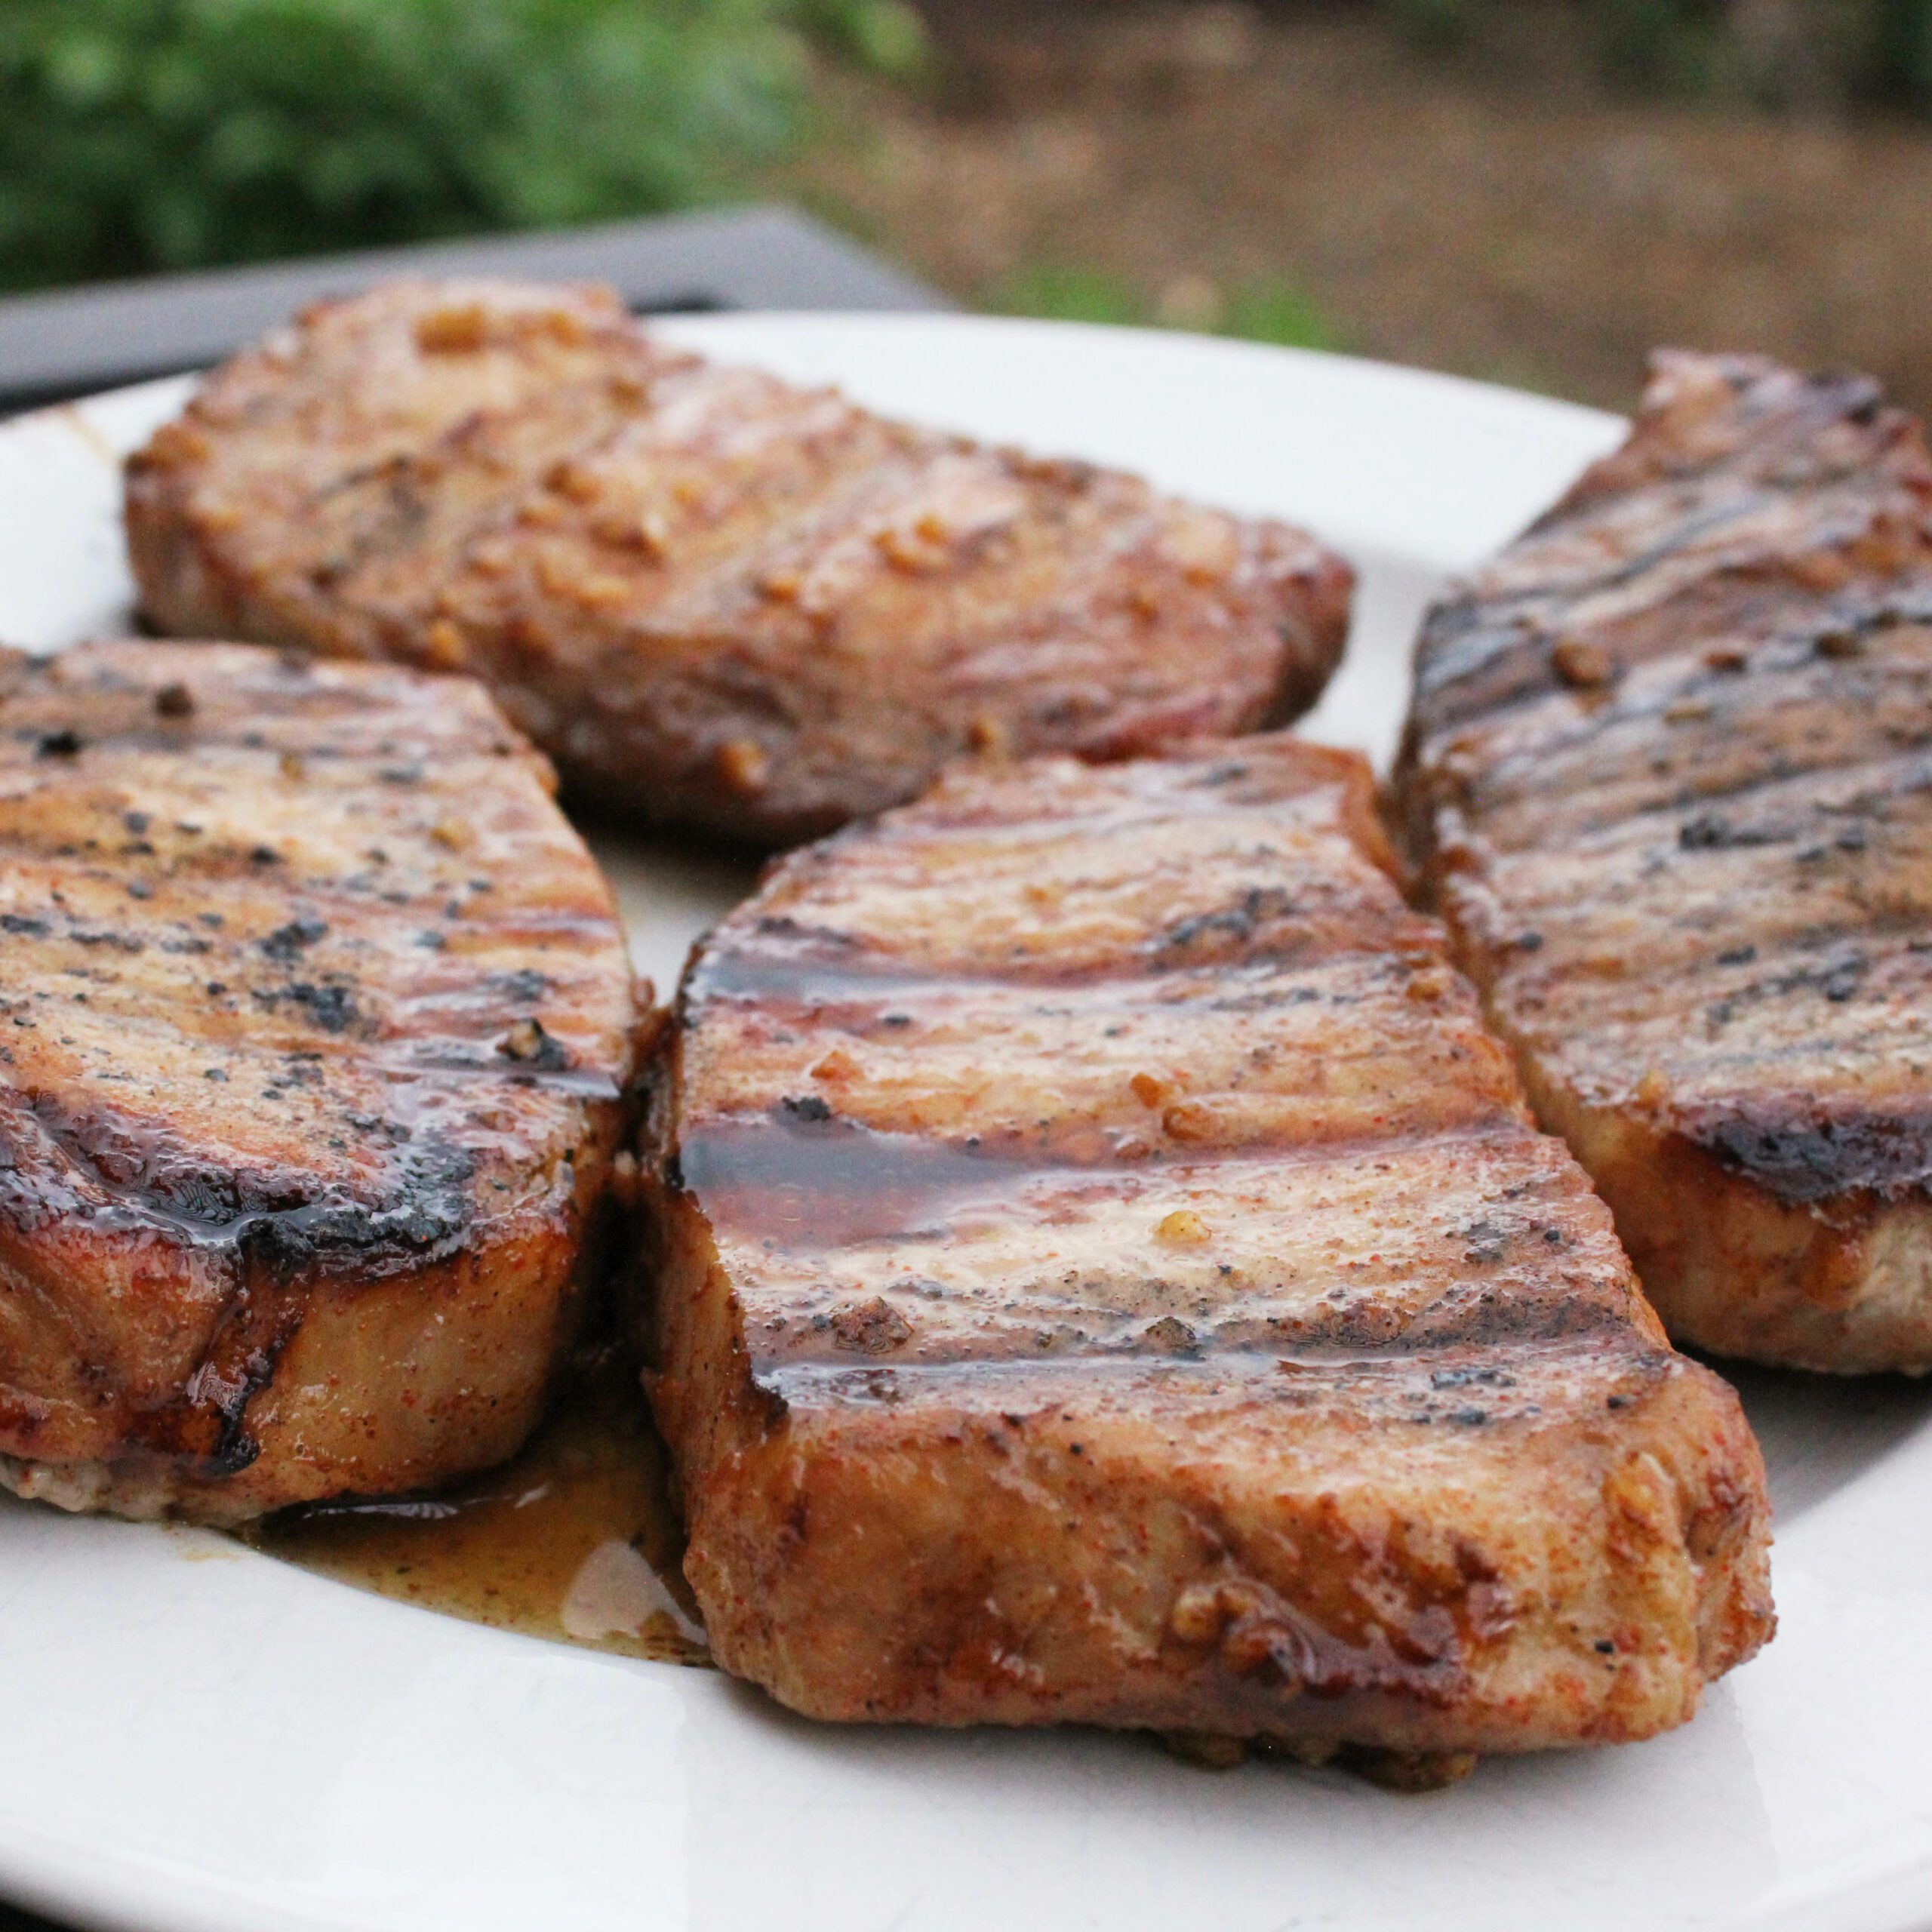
(204, 1431)
(871, 993)
(1802, 1159)
(1475, 636)
(275, 1242)
(799, 1195)
(1424, 1388)
(288, 1218)
(822, 1183)
(1714, 723)
(1720, 852)
(580, 427)
(330, 1006)
(397, 514)
(1759, 465)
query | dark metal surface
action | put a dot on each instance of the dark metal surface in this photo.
(70, 341)
(12, 1920)
(75, 341)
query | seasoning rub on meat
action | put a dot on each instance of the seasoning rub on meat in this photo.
(715, 599)
(1105, 1273)
(313, 1018)
(1670, 774)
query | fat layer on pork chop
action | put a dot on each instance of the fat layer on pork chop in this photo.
(1104, 1273)
(715, 599)
(1669, 774)
(315, 1017)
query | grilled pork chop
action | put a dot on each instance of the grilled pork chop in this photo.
(1670, 770)
(1105, 1273)
(313, 1021)
(714, 599)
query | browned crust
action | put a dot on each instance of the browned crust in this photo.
(1665, 777)
(319, 1021)
(939, 1464)
(1835, 1280)
(715, 599)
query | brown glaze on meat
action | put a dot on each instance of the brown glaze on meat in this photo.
(1670, 774)
(1105, 1273)
(715, 599)
(315, 1017)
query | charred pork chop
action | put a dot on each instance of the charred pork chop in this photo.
(714, 599)
(1670, 771)
(313, 1018)
(1105, 1273)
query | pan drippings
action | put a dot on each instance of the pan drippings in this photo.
(576, 1540)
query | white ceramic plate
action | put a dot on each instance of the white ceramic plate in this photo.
(194, 1738)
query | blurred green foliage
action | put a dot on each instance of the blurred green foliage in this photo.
(1279, 313)
(1275, 312)
(1061, 294)
(139, 134)
(1776, 49)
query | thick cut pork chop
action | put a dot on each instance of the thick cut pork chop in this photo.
(1670, 772)
(313, 1018)
(1105, 1273)
(715, 599)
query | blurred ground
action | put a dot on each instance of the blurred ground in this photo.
(1499, 212)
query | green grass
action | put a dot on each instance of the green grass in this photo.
(1277, 312)
(1061, 294)
(1274, 312)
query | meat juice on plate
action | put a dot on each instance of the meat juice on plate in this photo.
(576, 1539)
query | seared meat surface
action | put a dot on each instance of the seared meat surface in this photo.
(716, 600)
(313, 1018)
(1670, 775)
(1105, 1273)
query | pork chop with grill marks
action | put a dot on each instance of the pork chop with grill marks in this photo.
(315, 1017)
(1669, 772)
(715, 599)
(1105, 1273)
